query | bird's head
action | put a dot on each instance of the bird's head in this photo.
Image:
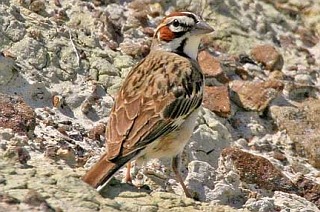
(181, 32)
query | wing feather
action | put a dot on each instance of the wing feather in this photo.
(153, 101)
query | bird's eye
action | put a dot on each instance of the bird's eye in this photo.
(175, 23)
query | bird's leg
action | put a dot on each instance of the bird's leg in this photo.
(127, 178)
(175, 168)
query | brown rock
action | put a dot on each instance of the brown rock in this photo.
(16, 114)
(255, 95)
(258, 170)
(34, 198)
(276, 75)
(23, 155)
(97, 131)
(302, 124)
(135, 49)
(242, 73)
(37, 6)
(67, 155)
(217, 100)
(268, 56)
(211, 67)
(308, 37)
(17, 153)
(309, 190)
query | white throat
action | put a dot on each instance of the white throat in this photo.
(191, 46)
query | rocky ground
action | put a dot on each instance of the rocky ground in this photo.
(256, 146)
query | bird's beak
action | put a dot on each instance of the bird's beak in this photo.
(201, 27)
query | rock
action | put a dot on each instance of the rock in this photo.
(32, 51)
(18, 153)
(8, 69)
(249, 125)
(37, 6)
(5, 198)
(208, 140)
(67, 155)
(276, 75)
(17, 115)
(227, 190)
(260, 205)
(15, 30)
(134, 49)
(255, 96)
(211, 67)
(302, 126)
(308, 37)
(309, 190)
(216, 99)
(97, 131)
(299, 92)
(200, 179)
(304, 79)
(293, 202)
(104, 67)
(269, 56)
(258, 170)
(6, 134)
(35, 199)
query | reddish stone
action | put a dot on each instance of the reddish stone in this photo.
(211, 67)
(16, 114)
(254, 169)
(308, 37)
(269, 56)
(97, 131)
(255, 95)
(309, 190)
(217, 100)
(258, 170)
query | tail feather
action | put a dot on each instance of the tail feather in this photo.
(103, 170)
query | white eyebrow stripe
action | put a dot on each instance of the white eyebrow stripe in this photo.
(184, 20)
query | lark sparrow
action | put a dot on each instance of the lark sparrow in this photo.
(156, 108)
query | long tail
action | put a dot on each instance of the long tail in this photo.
(101, 172)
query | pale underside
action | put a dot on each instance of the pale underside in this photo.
(170, 145)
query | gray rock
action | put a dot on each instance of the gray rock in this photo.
(261, 205)
(200, 179)
(32, 51)
(305, 79)
(15, 31)
(292, 202)
(8, 70)
(209, 139)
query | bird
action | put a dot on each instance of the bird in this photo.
(155, 111)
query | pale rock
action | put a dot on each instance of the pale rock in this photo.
(293, 202)
(200, 179)
(8, 69)
(32, 51)
(208, 140)
(264, 204)
(304, 79)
